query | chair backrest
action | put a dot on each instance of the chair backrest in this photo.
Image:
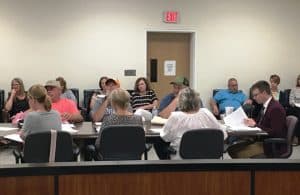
(122, 142)
(202, 144)
(286, 98)
(37, 147)
(76, 93)
(2, 94)
(87, 95)
(291, 122)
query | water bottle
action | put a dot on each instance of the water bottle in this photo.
(154, 112)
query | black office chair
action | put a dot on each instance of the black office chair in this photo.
(76, 94)
(87, 95)
(2, 94)
(37, 148)
(122, 142)
(202, 144)
(291, 122)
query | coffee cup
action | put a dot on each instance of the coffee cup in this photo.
(228, 110)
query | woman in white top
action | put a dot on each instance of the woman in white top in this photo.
(190, 116)
(294, 110)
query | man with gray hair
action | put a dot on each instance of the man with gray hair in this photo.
(231, 97)
(67, 108)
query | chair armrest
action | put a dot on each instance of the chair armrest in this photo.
(275, 141)
(18, 156)
(76, 152)
(171, 150)
(92, 153)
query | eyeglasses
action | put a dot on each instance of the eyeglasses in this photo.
(49, 88)
(255, 94)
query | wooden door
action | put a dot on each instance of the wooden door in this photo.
(161, 47)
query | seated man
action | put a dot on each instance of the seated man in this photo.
(230, 97)
(102, 108)
(169, 103)
(67, 108)
(271, 119)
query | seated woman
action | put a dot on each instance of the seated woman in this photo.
(42, 118)
(101, 91)
(276, 93)
(17, 101)
(120, 102)
(65, 92)
(294, 109)
(143, 96)
(190, 116)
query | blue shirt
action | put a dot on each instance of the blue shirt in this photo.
(226, 98)
(166, 101)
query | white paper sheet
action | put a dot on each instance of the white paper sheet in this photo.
(156, 130)
(235, 121)
(68, 127)
(297, 105)
(158, 120)
(8, 128)
(15, 137)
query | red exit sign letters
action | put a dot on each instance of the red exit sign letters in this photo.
(171, 16)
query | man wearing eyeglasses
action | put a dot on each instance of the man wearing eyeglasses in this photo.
(272, 119)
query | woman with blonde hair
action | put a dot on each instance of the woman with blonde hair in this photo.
(42, 117)
(17, 100)
(120, 102)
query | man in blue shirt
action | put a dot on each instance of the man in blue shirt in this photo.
(169, 103)
(231, 97)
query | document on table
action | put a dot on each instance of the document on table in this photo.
(8, 128)
(98, 126)
(68, 127)
(14, 137)
(297, 105)
(235, 121)
(158, 120)
(156, 129)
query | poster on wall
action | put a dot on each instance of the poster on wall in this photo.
(170, 68)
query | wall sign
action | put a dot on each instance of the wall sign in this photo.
(170, 68)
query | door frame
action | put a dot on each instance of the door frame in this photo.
(193, 83)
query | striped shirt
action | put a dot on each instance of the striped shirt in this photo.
(138, 100)
(295, 96)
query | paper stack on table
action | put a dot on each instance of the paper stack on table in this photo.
(68, 127)
(158, 120)
(8, 128)
(14, 137)
(235, 121)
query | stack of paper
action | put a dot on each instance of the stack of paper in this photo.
(235, 121)
(8, 128)
(69, 128)
(14, 137)
(158, 120)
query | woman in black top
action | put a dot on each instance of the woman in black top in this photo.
(17, 100)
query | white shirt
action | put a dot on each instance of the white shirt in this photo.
(180, 122)
(266, 104)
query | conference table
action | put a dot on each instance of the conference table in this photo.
(87, 130)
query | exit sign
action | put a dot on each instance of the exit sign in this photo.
(171, 16)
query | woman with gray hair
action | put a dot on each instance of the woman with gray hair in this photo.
(190, 116)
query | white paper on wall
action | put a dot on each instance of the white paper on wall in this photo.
(170, 68)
